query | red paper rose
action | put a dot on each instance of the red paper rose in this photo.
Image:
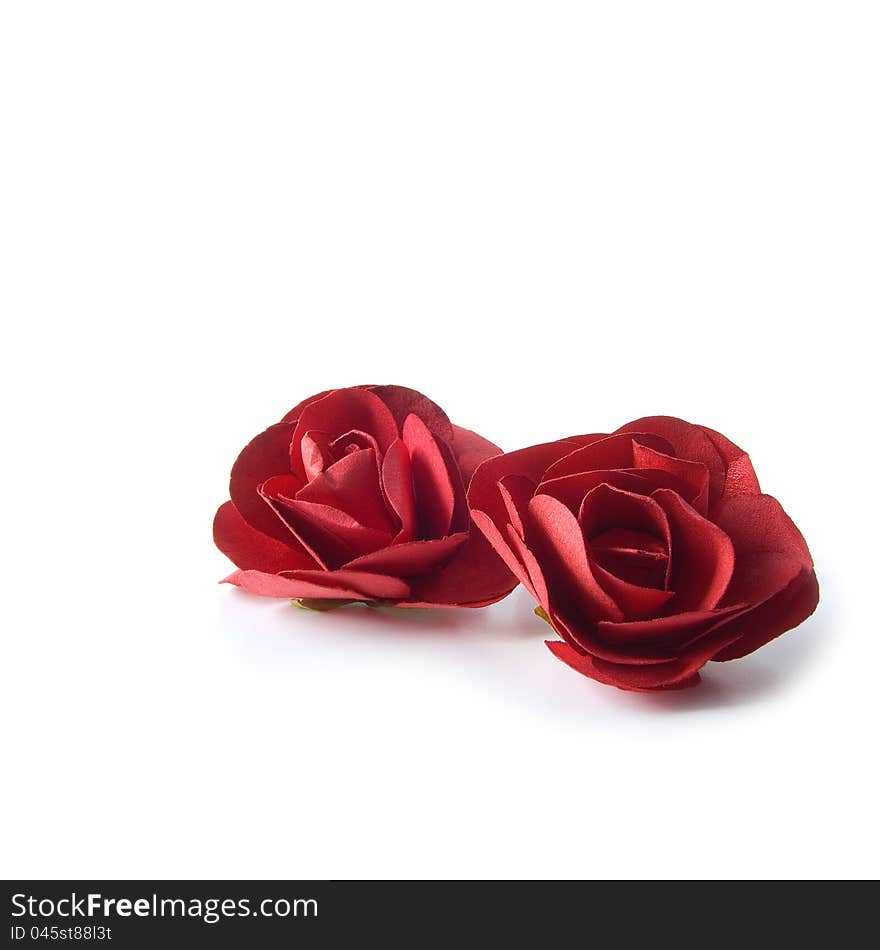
(650, 550)
(359, 494)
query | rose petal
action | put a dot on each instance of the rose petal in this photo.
(633, 557)
(352, 441)
(516, 492)
(784, 610)
(693, 475)
(607, 507)
(410, 558)
(279, 493)
(535, 583)
(675, 674)
(331, 536)
(585, 638)
(588, 666)
(435, 495)
(702, 555)
(608, 453)
(635, 601)
(315, 452)
(342, 585)
(689, 442)
(503, 547)
(250, 549)
(740, 478)
(672, 632)
(352, 486)
(403, 402)
(626, 541)
(266, 455)
(530, 463)
(297, 410)
(474, 577)
(571, 489)
(554, 536)
(273, 585)
(461, 519)
(774, 570)
(581, 440)
(604, 512)
(470, 451)
(770, 551)
(334, 535)
(368, 584)
(397, 488)
(341, 411)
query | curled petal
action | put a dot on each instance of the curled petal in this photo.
(770, 551)
(571, 489)
(530, 463)
(352, 486)
(338, 585)
(250, 549)
(774, 570)
(434, 489)
(263, 457)
(674, 631)
(516, 493)
(628, 535)
(315, 452)
(702, 555)
(473, 577)
(673, 674)
(740, 478)
(470, 451)
(607, 507)
(332, 534)
(695, 444)
(779, 613)
(397, 487)
(296, 412)
(403, 402)
(535, 582)
(411, 558)
(341, 411)
(609, 452)
(555, 537)
(694, 476)
(511, 555)
(635, 601)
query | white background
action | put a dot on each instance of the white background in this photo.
(549, 217)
